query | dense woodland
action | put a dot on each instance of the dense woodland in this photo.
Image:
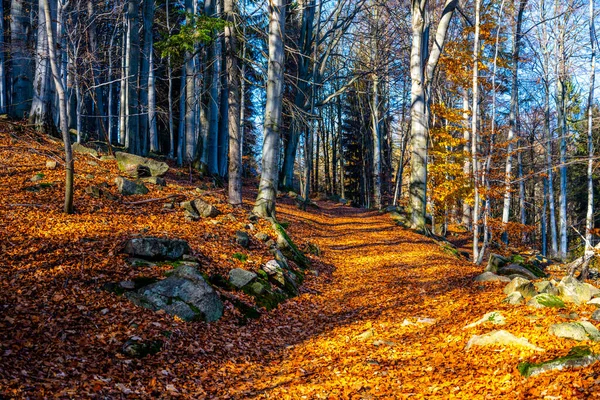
(480, 113)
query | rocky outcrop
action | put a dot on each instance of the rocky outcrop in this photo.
(579, 356)
(184, 294)
(157, 248)
(128, 188)
(198, 208)
(139, 167)
(501, 338)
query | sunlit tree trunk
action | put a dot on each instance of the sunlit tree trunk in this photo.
(475, 134)
(68, 206)
(422, 66)
(561, 122)
(589, 220)
(513, 130)
(267, 190)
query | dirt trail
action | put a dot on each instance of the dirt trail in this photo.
(389, 324)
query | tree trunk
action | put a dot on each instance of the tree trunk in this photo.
(68, 207)
(190, 142)
(3, 81)
(21, 65)
(562, 134)
(233, 110)
(589, 220)
(475, 134)
(267, 190)
(513, 118)
(133, 57)
(41, 104)
(422, 67)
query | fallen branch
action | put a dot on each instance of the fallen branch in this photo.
(28, 205)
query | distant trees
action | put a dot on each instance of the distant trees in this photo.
(472, 117)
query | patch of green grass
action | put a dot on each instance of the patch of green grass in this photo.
(240, 257)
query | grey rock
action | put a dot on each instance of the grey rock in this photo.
(184, 294)
(138, 167)
(242, 239)
(128, 285)
(157, 248)
(199, 208)
(107, 158)
(239, 277)
(522, 286)
(495, 262)
(81, 149)
(274, 271)
(280, 258)
(596, 315)
(491, 277)
(582, 330)
(546, 300)
(546, 287)
(257, 288)
(573, 291)
(263, 237)
(514, 298)
(37, 177)
(50, 164)
(128, 188)
(516, 269)
(577, 357)
(155, 180)
(501, 338)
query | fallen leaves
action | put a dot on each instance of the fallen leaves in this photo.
(380, 316)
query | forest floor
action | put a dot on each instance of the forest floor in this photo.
(380, 315)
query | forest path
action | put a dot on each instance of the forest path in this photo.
(386, 324)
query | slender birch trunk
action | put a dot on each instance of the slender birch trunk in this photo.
(475, 134)
(513, 119)
(589, 220)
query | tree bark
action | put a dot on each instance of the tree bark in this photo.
(234, 98)
(68, 206)
(267, 190)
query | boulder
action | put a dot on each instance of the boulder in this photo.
(157, 248)
(501, 338)
(37, 177)
(155, 180)
(261, 236)
(50, 164)
(596, 315)
(514, 298)
(518, 270)
(522, 286)
(128, 188)
(81, 149)
(274, 271)
(495, 262)
(280, 258)
(493, 317)
(242, 239)
(97, 192)
(593, 289)
(546, 287)
(573, 291)
(491, 277)
(579, 356)
(595, 302)
(239, 277)
(546, 300)
(138, 167)
(200, 208)
(582, 330)
(184, 294)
